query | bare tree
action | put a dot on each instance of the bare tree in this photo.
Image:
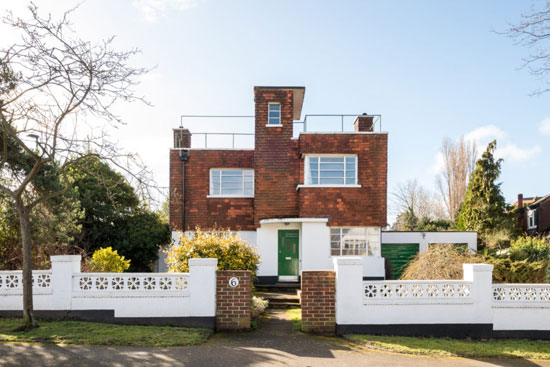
(533, 31)
(411, 197)
(459, 160)
(56, 97)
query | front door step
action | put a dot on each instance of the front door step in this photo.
(280, 300)
(288, 278)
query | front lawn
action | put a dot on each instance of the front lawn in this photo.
(443, 347)
(91, 333)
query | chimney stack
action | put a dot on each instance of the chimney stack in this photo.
(182, 138)
(520, 200)
(364, 123)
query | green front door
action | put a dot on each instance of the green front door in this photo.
(399, 255)
(288, 252)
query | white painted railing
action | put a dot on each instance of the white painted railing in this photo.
(130, 282)
(516, 295)
(11, 282)
(447, 291)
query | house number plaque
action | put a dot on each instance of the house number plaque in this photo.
(233, 282)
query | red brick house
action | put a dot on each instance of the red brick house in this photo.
(533, 215)
(300, 198)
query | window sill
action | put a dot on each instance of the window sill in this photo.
(323, 186)
(274, 125)
(229, 197)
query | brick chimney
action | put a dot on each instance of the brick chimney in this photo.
(521, 218)
(182, 138)
(364, 123)
(520, 200)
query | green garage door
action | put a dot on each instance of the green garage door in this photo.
(399, 255)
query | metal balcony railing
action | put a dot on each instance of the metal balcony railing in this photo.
(334, 122)
(321, 123)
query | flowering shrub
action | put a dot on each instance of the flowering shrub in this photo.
(257, 306)
(107, 260)
(232, 252)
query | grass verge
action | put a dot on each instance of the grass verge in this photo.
(443, 347)
(295, 314)
(91, 333)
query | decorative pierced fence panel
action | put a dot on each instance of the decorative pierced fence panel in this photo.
(417, 292)
(12, 281)
(518, 295)
(134, 283)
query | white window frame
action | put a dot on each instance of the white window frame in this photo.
(307, 173)
(221, 195)
(279, 124)
(531, 216)
(368, 252)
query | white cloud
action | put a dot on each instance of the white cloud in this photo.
(155, 9)
(512, 153)
(483, 135)
(506, 150)
(544, 126)
(438, 164)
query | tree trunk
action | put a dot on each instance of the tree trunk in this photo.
(24, 221)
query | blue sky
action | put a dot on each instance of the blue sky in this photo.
(432, 69)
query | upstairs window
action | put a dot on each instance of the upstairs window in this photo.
(331, 170)
(531, 219)
(274, 114)
(232, 182)
(356, 241)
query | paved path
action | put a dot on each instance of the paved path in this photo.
(274, 344)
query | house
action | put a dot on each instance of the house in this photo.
(533, 215)
(300, 198)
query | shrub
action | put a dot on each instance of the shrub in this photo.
(530, 248)
(440, 261)
(107, 260)
(257, 306)
(518, 271)
(232, 252)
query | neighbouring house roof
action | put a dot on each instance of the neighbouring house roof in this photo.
(538, 201)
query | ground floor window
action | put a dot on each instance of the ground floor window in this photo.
(356, 241)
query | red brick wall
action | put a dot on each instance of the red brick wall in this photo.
(208, 213)
(543, 213)
(318, 301)
(364, 206)
(233, 304)
(275, 158)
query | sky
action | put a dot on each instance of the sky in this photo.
(432, 69)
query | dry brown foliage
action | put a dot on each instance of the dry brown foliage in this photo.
(440, 262)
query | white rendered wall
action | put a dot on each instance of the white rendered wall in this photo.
(315, 249)
(426, 238)
(194, 296)
(352, 308)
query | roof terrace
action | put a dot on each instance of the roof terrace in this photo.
(311, 124)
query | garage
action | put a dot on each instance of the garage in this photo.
(399, 255)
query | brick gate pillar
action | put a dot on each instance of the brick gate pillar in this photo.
(233, 293)
(318, 302)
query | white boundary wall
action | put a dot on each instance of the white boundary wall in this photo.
(473, 300)
(65, 288)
